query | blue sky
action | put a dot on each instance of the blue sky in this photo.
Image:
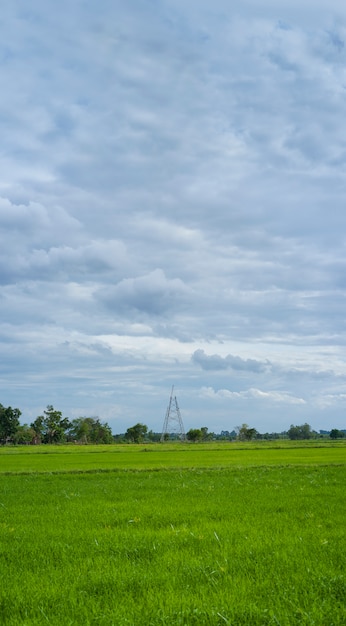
(172, 211)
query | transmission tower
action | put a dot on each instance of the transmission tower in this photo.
(173, 423)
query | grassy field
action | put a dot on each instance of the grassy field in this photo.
(214, 534)
(71, 458)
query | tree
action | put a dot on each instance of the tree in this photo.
(206, 435)
(24, 434)
(335, 433)
(156, 437)
(90, 430)
(194, 434)
(245, 433)
(38, 427)
(9, 422)
(100, 432)
(300, 432)
(51, 427)
(136, 433)
(199, 434)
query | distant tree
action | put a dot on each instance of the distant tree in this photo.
(38, 427)
(79, 430)
(206, 435)
(50, 427)
(24, 434)
(300, 432)
(155, 437)
(9, 423)
(136, 433)
(90, 430)
(100, 432)
(335, 433)
(194, 434)
(245, 433)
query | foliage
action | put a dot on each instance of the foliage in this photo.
(206, 435)
(337, 434)
(24, 435)
(155, 437)
(9, 423)
(50, 427)
(90, 430)
(199, 434)
(300, 432)
(194, 434)
(245, 433)
(136, 433)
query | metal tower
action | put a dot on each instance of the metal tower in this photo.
(173, 423)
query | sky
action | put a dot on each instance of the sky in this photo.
(172, 211)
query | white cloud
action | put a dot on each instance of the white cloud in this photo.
(253, 394)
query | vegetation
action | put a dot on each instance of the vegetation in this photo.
(136, 433)
(199, 434)
(260, 541)
(9, 423)
(50, 427)
(107, 458)
(53, 428)
(245, 433)
(90, 430)
(335, 433)
(300, 432)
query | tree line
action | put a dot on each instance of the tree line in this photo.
(52, 427)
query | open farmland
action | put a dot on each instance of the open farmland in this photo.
(70, 458)
(213, 534)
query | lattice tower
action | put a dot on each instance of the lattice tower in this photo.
(173, 424)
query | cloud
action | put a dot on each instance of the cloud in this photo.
(172, 184)
(152, 293)
(216, 362)
(277, 397)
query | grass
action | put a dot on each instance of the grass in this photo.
(69, 458)
(248, 544)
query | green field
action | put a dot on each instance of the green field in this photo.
(178, 535)
(71, 458)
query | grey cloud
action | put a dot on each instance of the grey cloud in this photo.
(152, 293)
(216, 362)
(92, 259)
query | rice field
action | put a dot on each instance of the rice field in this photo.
(146, 536)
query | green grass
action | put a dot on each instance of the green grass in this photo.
(70, 458)
(254, 543)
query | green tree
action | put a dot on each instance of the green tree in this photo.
(300, 432)
(100, 432)
(206, 435)
(245, 433)
(90, 430)
(335, 433)
(38, 427)
(136, 433)
(79, 430)
(194, 434)
(24, 434)
(9, 423)
(51, 427)
(155, 437)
